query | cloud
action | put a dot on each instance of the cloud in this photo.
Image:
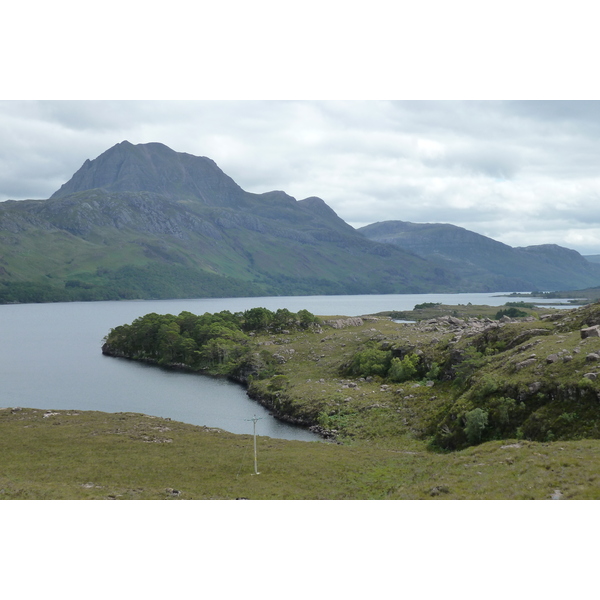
(515, 171)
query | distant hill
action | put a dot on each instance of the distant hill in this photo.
(594, 258)
(144, 221)
(486, 263)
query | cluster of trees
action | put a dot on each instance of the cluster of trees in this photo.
(374, 361)
(511, 312)
(219, 342)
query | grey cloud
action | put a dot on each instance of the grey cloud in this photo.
(490, 161)
(575, 114)
(511, 170)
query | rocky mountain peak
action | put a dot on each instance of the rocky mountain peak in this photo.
(154, 167)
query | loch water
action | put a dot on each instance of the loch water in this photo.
(50, 358)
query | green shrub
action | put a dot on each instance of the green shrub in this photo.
(370, 362)
(475, 422)
(426, 305)
(278, 383)
(511, 312)
(471, 361)
(434, 371)
(403, 369)
(486, 387)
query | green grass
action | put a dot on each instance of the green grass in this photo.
(92, 455)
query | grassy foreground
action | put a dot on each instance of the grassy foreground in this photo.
(93, 455)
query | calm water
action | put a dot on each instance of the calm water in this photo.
(50, 358)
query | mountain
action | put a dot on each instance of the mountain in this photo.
(489, 265)
(156, 168)
(144, 221)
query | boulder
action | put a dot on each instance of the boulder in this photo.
(525, 363)
(593, 331)
(350, 322)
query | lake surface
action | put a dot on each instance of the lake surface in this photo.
(50, 358)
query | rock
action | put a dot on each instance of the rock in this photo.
(341, 323)
(524, 363)
(593, 331)
(591, 376)
(439, 489)
(592, 356)
(552, 358)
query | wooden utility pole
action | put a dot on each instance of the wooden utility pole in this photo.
(254, 419)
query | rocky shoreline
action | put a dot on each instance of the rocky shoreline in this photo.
(262, 399)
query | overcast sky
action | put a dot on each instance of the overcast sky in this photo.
(520, 172)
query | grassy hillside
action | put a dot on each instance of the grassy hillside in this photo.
(89, 455)
(113, 244)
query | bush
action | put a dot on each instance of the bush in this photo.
(434, 372)
(403, 370)
(511, 312)
(472, 360)
(426, 305)
(370, 362)
(475, 422)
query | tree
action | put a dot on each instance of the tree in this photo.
(475, 422)
(306, 318)
(403, 370)
(257, 318)
(370, 362)
(284, 318)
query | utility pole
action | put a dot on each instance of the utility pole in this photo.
(254, 419)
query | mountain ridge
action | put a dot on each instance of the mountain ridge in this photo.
(493, 264)
(141, 215)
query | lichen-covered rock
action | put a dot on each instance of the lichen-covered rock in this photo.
(593, 331)
(341, 323)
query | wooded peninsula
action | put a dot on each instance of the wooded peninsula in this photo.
(452, 381)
